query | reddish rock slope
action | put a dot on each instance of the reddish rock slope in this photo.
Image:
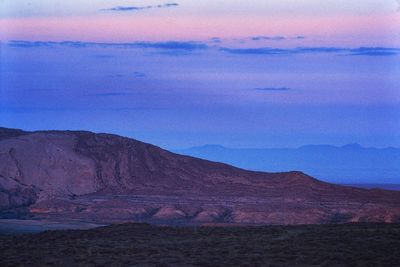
(105, 178)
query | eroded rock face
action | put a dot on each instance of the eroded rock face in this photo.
(104, 178)
(48, 162)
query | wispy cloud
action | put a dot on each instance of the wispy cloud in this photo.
(31, 44)
(136, 8)
(215, 40)
(110, 94)
(269, 38)
(272, 89)
(255, 51)
(187, 47)
(171, 45)
(139, 74)
(361, 51)
(276, 38)
(375, 51)
(136, 74)
(103, 56)
(168, 45)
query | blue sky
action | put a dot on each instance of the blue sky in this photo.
(199, 72)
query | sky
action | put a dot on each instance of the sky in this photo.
(186, 73)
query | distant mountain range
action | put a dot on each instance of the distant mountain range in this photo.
(104, 178)
(349, 164)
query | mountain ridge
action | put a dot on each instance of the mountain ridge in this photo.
(101, 177)
(349, 145)
(350, 163)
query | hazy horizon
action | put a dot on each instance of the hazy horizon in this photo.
(202, 145)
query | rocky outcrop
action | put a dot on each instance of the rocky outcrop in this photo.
(103, 177)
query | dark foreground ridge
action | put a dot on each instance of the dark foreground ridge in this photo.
(104, 178)
(146, 245)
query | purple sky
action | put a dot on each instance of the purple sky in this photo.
(180, 74)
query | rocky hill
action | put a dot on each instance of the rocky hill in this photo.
(348, 164)
(80, 175)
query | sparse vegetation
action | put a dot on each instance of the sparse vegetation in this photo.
(146, 245)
